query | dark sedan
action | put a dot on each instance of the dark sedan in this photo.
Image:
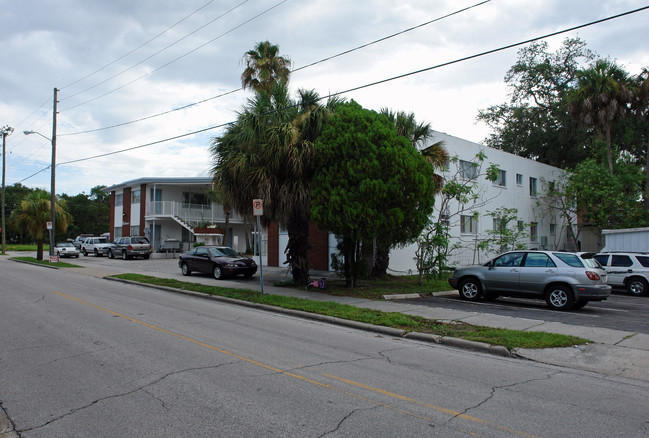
(220, 261)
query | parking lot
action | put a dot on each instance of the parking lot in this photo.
(619, 312)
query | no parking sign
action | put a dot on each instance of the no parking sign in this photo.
(257, 207)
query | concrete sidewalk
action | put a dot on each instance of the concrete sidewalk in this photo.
(613, 352)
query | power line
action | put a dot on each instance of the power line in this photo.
(297, 69)
(158, 52)
(140, 46)
(179, 57)
(488, 52)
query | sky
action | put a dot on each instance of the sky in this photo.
(133, 74)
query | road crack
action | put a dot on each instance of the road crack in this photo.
(124, 394)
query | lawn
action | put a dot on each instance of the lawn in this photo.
(493, 336)
(46, 262)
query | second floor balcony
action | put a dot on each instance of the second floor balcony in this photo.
(193, 214)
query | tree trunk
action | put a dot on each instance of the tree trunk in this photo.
(297, 249)
(246, 232)
(381, 260)
(227, 224)
(39, 249)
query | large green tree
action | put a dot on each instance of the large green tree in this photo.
(535, 122)
(369, 181)
(33, 213)
(264, 67)
(90, 213)
(601, 97)
(417, 134)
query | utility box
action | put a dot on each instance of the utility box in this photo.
(626, 240)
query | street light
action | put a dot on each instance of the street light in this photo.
(53, 192)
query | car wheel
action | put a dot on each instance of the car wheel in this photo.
(559, 298)
(579, 304)
(470, 289)
(124, 256)
(58, 254)
(110, 254)
(85, 253)
(96, 253)
(185, 269)
(218, 274)
(637, 286)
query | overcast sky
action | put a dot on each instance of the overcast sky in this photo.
(122, 60)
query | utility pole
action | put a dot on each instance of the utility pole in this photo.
(5, 130)
(53, 193)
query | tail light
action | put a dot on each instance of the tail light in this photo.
(130, 247)
(593, 275)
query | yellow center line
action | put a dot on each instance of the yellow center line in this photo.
(428, 405)
(306, 379)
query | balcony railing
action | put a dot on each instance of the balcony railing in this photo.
(190, 213)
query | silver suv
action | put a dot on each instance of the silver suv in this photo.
(565, 280)
(629, 270)
(96, 245)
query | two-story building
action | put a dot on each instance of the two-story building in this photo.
(173, 209)
(165, 209)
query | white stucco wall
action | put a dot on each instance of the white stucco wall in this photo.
(492, 196)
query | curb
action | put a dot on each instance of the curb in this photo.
(388, 331)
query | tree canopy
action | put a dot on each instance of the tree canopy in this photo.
(369, 181)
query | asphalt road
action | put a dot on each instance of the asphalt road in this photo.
(620, 311)
(85, 357)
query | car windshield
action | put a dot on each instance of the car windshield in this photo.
(570, 259)
(62, 244)
(223, 252)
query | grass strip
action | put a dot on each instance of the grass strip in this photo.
(46, 262)
(493, 336)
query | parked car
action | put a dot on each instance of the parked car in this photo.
(220, 261)
(98, 246)
(66, 249)
(79, 240)
(565, 280)
(629, 270)
(131, 246)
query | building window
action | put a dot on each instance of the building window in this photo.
(521, 226)
(534, 231)
(194, 199)
(533, 187)
(501, 180)
(468, 224)
(499, 225)
(117, 233)
(468, 170)
(118, 200)
(553, 229)
(135, 230)
(135, 197)
(519, 179)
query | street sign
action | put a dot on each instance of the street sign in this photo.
(49, 225)
(257, 207)
(54, 259)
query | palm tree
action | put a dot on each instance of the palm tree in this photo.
(264, 67)
(269, 154)
(601, 98)
(33, 213)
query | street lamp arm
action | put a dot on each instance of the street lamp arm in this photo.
(34, 132)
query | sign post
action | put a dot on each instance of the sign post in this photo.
(258, 210)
